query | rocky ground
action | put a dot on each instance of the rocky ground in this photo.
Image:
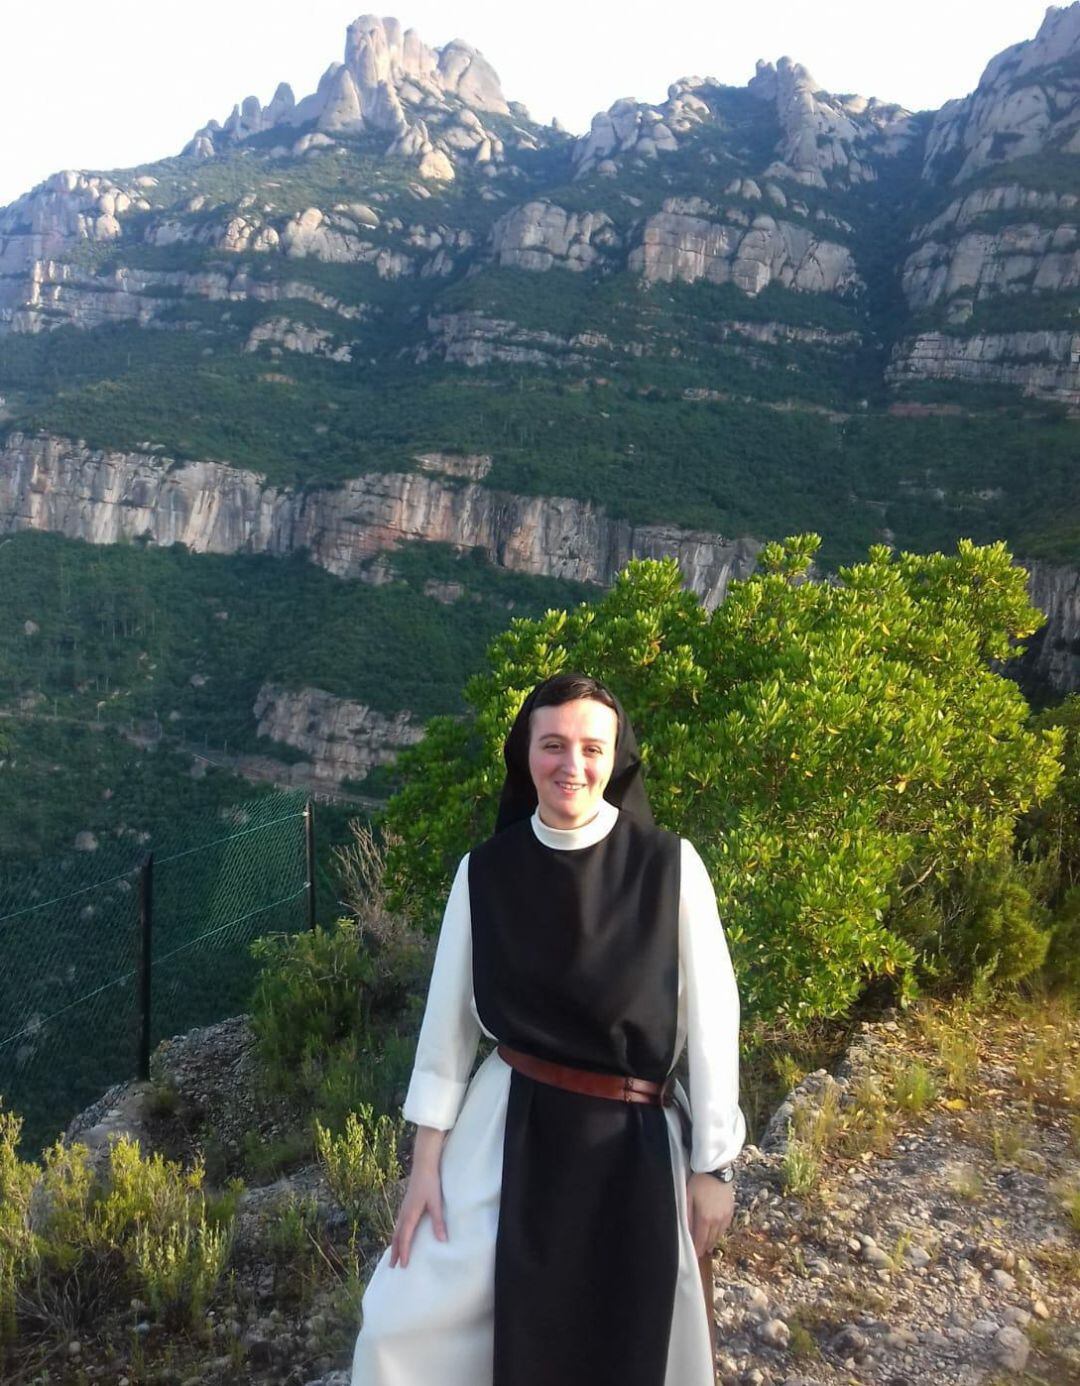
(945, 1256)
(904, 1220)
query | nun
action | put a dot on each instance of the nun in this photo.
(560, 1198)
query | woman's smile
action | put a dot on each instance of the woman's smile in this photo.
(571, 756)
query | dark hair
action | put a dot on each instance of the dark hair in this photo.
(566, 688)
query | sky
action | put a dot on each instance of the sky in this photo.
(121, 82)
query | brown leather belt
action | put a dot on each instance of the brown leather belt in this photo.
(612, 1085)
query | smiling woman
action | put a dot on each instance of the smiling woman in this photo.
(554, 1216)
(571, 755)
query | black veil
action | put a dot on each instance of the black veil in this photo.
(625, 789)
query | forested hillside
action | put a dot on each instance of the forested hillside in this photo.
(394, 361)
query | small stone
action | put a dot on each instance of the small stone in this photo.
(1002, 1279)
(1011, 1349)
(848, 1340)
(917, 1256)
(1039, 1309)
(775, 1332)
(1014, 1314)
(74, 1348)
(985, 1328)
(874, 1256)
(757, 1301)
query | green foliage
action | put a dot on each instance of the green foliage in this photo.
(179, 1267)
(18, 1246)
(292, 1228)
(73, 1245)
(825, 746)
(314, 990)
(1063, 955)
(172, 646)
(362, 1166)
(989, 923)
(332, 1014)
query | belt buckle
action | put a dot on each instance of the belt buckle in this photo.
(628, 1089)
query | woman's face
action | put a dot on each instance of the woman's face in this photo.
(571, 756)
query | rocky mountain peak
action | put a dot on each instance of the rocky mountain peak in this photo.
(390, 80)
(1027, 101)
(1058, 39)
(826, 140)
(826, 137)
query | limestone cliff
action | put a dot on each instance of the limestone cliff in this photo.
(751, 254)
(341, 739)
(1042, 364)
(1006, 241)
(1053, 654)
(103, 497)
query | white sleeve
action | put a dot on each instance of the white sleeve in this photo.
(449, 1033)
(712, 1020)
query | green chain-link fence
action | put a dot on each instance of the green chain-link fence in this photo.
(79, 998)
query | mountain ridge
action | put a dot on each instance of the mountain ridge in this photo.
(743, 312)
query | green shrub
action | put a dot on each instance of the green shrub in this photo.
(362, 1167)
(334, 1009)
(826, 746)
(985, 925)
(1063, 954)
(291, 1229)
(179, 1266)
(73, 1245)
(18, 1246)
(313, 992)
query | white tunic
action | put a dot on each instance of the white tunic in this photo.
(431, 1323)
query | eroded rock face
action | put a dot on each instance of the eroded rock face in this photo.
(538, 235)
(1053, 653)
(342, 739)
(1042, 364)
(390, 81)
(678, 246)
(827, 139)
(1027, 100)
(57, 294)
(286, 335)
(472, 339)
(980, 265)
(103, 497)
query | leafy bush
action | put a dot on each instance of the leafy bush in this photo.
(1063, 954)
(314, 991)
(362, 1167)
(827, 746)
(988, 921)
(179, 1266)
(334, 1009)
(73, 1245)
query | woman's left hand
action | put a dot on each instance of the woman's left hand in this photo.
(710, 1205)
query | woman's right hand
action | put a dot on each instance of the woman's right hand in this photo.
(423, 1195)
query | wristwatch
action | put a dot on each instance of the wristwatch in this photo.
(726, 1173)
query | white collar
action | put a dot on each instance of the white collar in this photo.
(570, 839)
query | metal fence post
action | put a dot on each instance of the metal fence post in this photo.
(146, 916)
(309, 823)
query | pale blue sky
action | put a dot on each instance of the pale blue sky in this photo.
(117, 82)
